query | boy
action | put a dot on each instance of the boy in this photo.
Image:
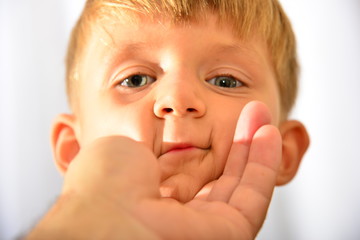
(179, 126)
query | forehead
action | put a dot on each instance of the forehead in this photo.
(131, 36)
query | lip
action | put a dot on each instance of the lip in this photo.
(174, 156)
(179, 147)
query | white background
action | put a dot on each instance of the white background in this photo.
(323, 202)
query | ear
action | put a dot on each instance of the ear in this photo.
(295, 143)
(65, 144)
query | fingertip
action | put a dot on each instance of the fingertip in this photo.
(268, 140)
(254, 115)
(270, 131)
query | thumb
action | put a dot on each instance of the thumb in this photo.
(115, 167)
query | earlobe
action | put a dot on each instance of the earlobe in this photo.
(64, 142)
(295, 143)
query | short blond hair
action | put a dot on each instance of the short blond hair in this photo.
(264, 17)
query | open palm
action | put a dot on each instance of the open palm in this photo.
(111, 191)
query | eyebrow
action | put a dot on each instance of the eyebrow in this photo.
(227, 48)
(132, 47)
(232, 48)
(141, 46)
(126, 50)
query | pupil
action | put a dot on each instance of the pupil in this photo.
(226, 83)
(136, 80)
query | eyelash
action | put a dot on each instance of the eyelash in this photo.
(220, 79)
(142, 83)
(236, 83)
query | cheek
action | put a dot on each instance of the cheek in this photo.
(224, 123)
(132, 120)
(269, 95)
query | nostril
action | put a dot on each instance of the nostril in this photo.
(168, 110)
(172, 110)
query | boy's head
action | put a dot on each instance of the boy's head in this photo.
(176, 75)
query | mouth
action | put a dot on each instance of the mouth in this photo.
(173, 148)
(180, 147)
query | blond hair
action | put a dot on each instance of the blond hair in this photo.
(265, 17)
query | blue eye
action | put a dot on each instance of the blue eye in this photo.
(226, 82)
(137, 80)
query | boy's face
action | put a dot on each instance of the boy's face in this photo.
(177, 89)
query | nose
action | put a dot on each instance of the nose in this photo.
(179, 99)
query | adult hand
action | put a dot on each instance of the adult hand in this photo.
(111, 191)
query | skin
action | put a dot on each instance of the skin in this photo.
(161, 114)
(178, 157)
(111, 191)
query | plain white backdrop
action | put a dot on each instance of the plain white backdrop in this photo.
(323, 202)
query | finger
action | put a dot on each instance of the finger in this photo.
(204, 193)
(253, 194)
(254, 115)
